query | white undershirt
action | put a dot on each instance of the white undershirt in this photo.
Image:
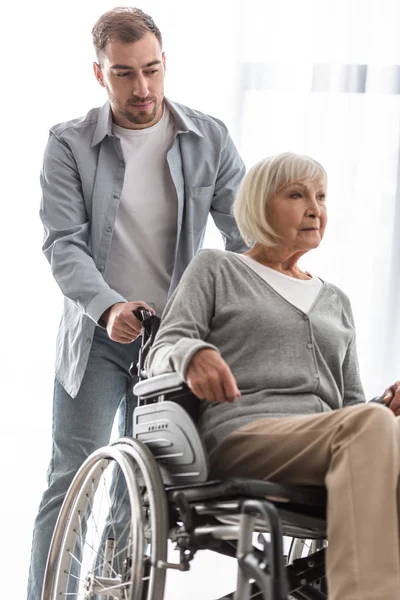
(142, 250)
(299, 292)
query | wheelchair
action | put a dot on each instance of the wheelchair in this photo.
(104, 550)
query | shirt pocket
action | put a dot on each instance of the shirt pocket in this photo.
(200, 192)
(198, 205)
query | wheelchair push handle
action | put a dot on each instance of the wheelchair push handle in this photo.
(151, 323)
(142, 313)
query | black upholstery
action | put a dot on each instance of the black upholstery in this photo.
(253, 488)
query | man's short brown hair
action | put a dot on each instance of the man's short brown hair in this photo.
(122, 24)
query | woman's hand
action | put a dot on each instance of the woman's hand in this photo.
(391, 397)
(210, 378)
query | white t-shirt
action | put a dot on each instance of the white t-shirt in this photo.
(299, 292)
(142, 250)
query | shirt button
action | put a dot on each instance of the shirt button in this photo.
(88, 340)
(108, 228)
(121, 163)
(316, 375)
(116, 196)
(101, 269)
(310, 346)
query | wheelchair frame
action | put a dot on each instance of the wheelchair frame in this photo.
(166, 474)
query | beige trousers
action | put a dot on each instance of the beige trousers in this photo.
(355, 452)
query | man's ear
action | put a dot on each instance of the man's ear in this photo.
(98, 73)
(164, 60)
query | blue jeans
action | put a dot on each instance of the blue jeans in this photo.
(80, 426)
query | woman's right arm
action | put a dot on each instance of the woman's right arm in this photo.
(180, 342)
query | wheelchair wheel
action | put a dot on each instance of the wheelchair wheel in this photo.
(155, 514)
(301, 548)
(98, 550)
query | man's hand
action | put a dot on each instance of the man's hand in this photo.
(391, 397)
(122, 325)
(210, 378)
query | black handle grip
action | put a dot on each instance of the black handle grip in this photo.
(142, 313)
(151, 324)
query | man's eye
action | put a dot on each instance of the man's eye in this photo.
(322, 197)
(152, 72)
(125, 74)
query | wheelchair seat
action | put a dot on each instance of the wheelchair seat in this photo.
(302, 510)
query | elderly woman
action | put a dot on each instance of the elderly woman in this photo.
(271, 349)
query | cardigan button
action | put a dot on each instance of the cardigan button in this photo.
(310, 346)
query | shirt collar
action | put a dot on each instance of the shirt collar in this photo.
(184, 124)
(104, 122)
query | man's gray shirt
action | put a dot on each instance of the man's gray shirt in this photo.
(82, 179)
(286, 362)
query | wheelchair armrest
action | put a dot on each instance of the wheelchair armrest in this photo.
(167, 382)
(170, 433)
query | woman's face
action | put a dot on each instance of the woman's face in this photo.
(297, 213)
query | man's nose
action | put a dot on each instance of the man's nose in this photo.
(140, 87)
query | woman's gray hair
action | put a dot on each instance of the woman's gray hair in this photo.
(261, 183)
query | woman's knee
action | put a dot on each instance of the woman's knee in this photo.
(369, 432)
(373, 420)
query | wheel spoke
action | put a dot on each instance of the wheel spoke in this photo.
(119, 552)
(95, 528)
(75, 577)
(75, 558)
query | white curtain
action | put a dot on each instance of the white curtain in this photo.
(316, 76)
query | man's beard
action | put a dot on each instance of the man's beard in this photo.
(139, 117)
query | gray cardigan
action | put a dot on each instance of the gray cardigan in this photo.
(285, 362)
